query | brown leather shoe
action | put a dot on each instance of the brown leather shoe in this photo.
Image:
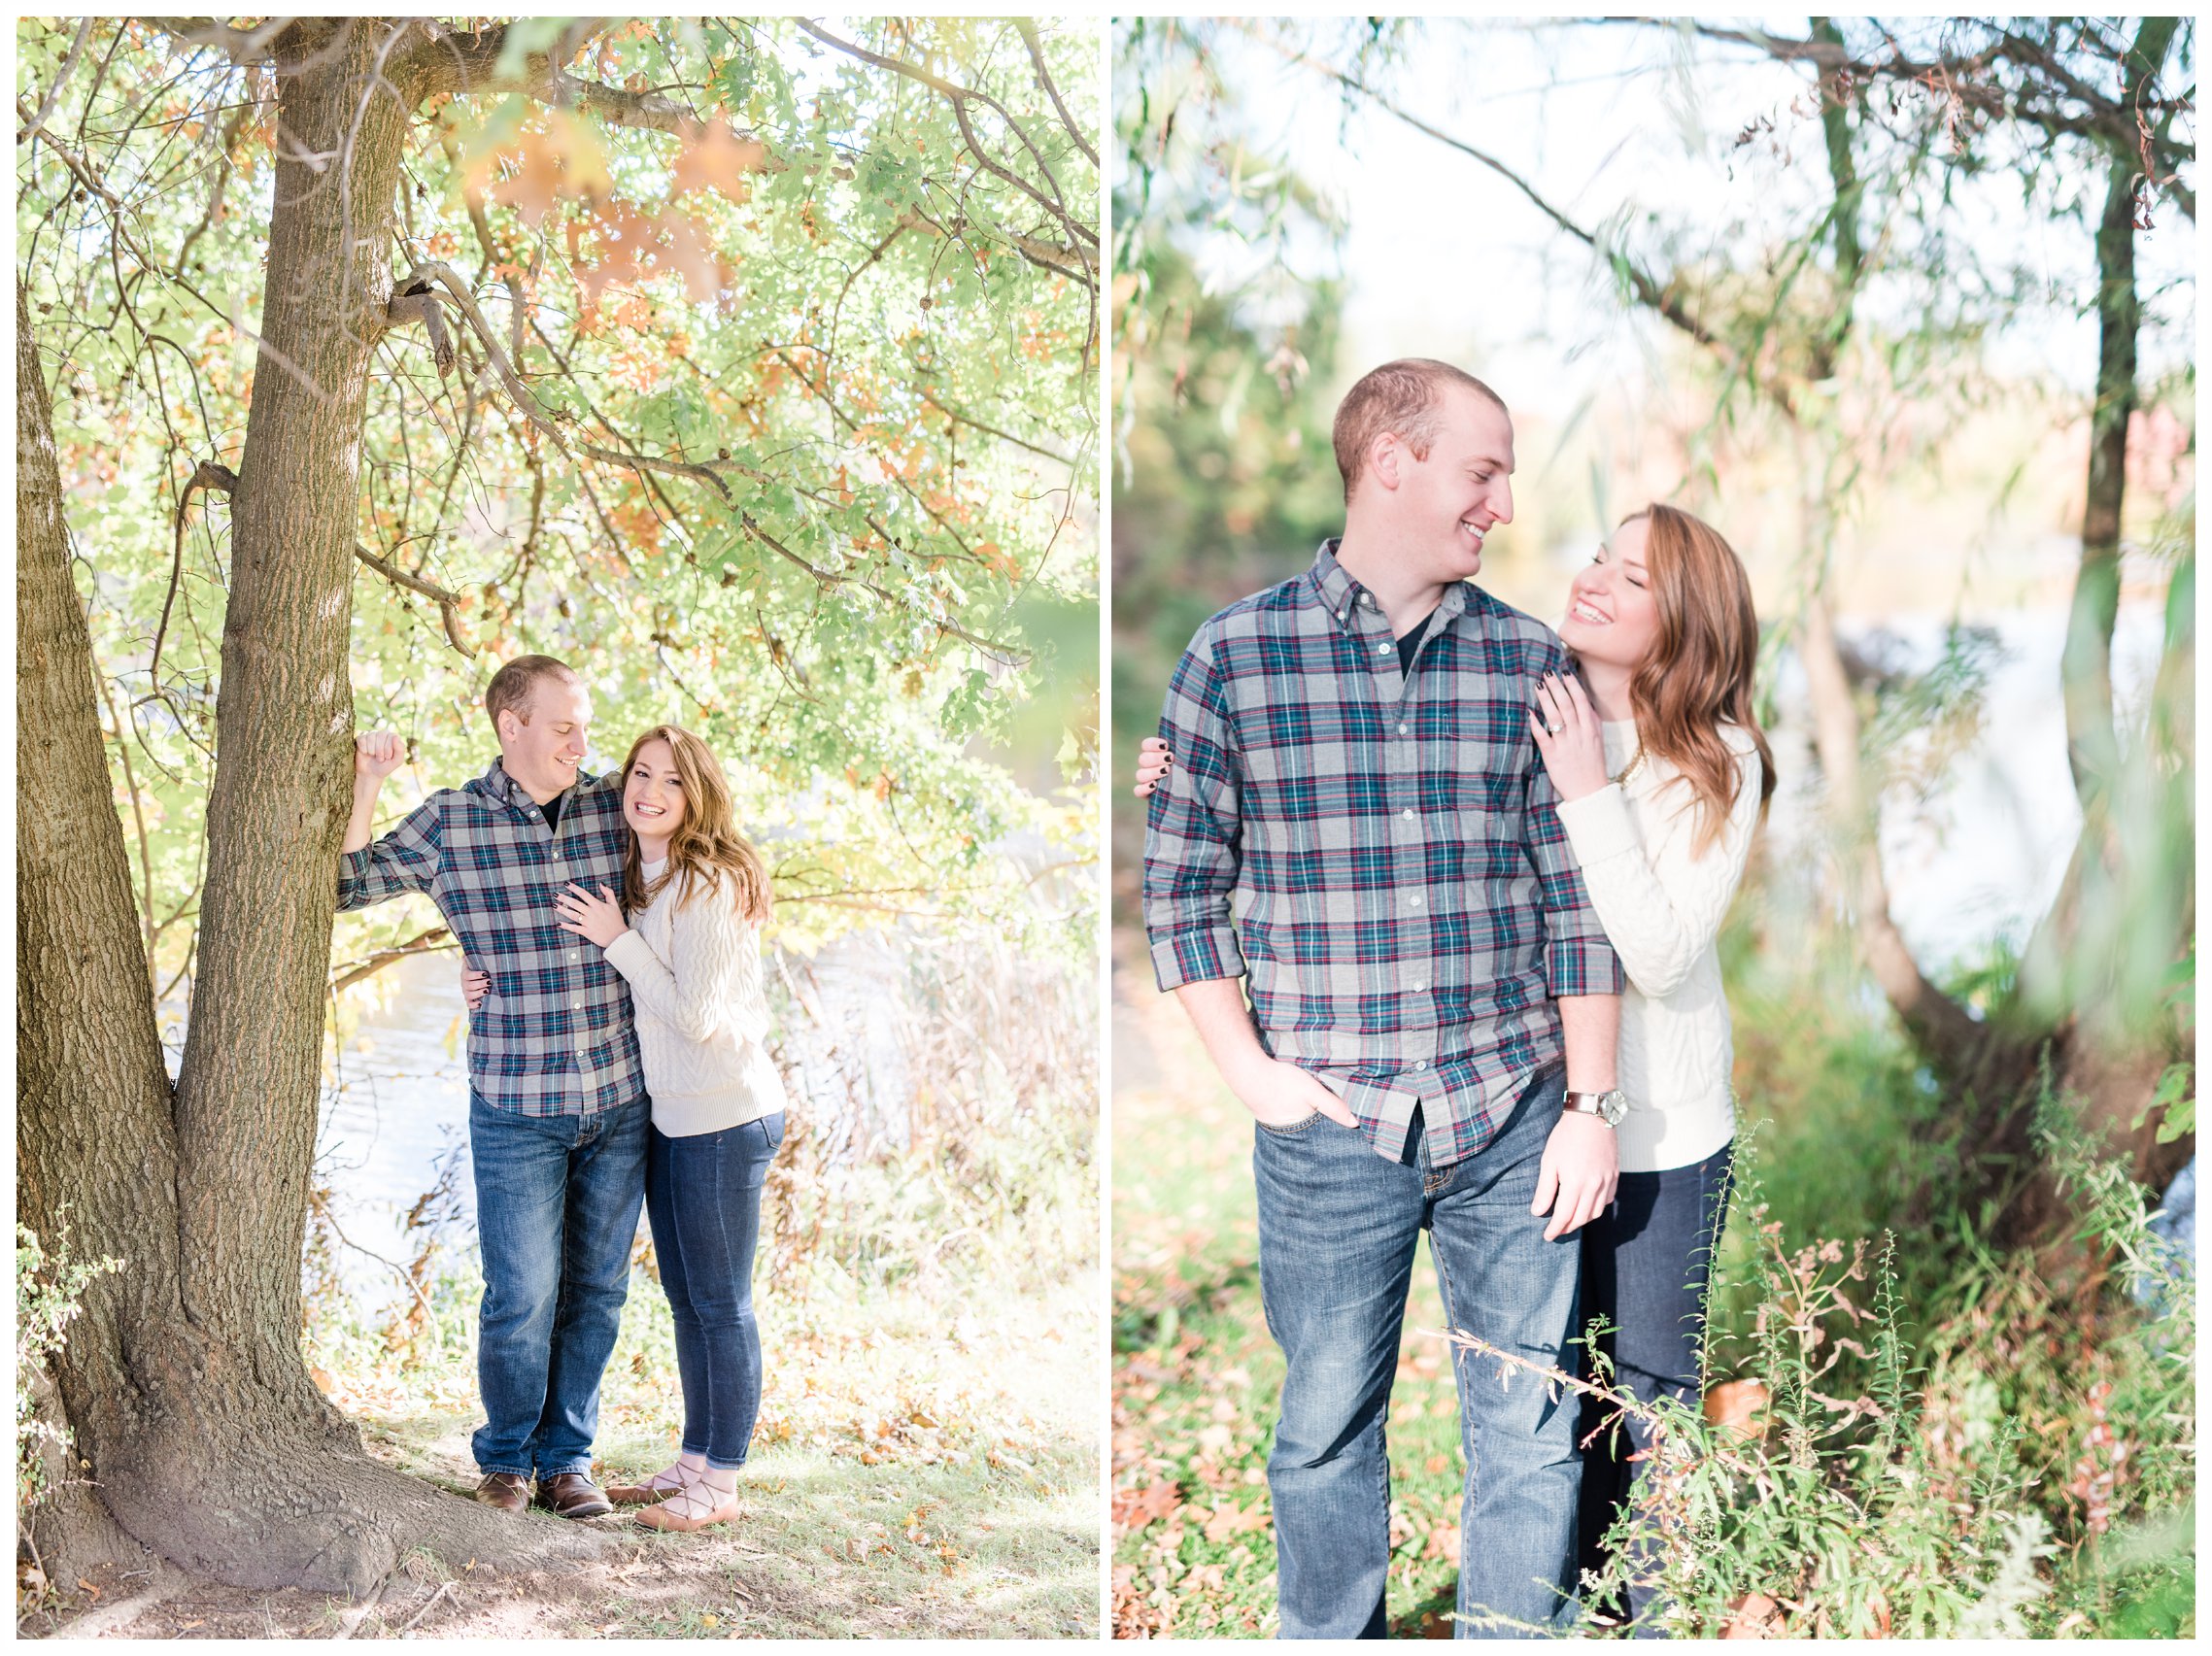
(572, 1494)
(510, 1492)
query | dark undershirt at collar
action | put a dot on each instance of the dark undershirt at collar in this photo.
(552, 810)
(1412, 642)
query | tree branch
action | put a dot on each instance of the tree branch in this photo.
(1026, 26)
(243, 46)
(1665, 301)
(959, 97)
(60, 79)
(435, 941)
(446, 277)
(469, 64)
(448, 603)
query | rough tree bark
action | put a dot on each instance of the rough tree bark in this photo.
(192, 1410)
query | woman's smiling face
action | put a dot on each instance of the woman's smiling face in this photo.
(1612, 616)
(653, 793)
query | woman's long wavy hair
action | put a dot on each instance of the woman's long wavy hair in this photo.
(1698, 675)
(707, 847)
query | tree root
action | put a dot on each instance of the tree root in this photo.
(325, 1521)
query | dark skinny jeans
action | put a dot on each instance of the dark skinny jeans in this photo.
(1646, 1264)
(702, 1192)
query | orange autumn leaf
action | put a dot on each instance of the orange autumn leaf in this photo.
(1133, 1508)
(1229, 1521)
(716, 159)
(539, 168)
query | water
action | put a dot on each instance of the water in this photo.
(1978, 860)
(399, 1101)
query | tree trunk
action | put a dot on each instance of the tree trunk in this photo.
(93, 1144)
(2092, 744)
(184, 1382)
(2107, 1069)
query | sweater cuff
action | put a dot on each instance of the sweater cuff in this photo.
(1598, 825)
(629, 952)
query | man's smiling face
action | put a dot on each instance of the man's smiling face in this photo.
(542, 750)
(1452, 499)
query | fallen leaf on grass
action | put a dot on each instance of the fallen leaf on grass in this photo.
(1444, 1542)
(1133, 1508)
(1230, 1521)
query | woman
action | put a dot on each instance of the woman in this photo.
(1662, 774)
(695, 891)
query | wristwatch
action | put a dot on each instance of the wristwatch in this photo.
(1608, 1107)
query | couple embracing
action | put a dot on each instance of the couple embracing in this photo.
(614, 1058)
(1472, 887)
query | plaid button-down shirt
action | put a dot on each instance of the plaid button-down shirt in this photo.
(1376, 852)
(554, 1036)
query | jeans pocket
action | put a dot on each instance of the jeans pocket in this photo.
(1291, 1130)
(771, 1130)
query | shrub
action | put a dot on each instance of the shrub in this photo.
(49, 1292)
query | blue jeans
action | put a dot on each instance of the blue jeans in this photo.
(557, 1200)
(1645, 1263)
(702, 1192)
(1339, 1226)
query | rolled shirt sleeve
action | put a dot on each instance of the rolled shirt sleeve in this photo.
(405, 860)
(1193, 831)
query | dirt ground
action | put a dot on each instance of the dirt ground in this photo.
(1001, 1542)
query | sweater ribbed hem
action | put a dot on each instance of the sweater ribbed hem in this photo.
(695, 1113)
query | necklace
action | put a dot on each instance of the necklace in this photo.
(1635, 763)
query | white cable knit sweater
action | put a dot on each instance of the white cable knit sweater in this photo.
(695, 984)
(1662, 908)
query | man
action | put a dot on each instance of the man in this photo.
(1357, 824)
(557, 1109)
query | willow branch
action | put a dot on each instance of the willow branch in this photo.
(1665, 301)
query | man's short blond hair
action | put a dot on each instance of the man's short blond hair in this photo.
(514, 686)
(1403, 399)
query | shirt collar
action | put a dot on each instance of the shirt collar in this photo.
(508, 791)
(1344, 597)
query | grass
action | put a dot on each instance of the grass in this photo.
(925, 1460)
(1972, 1500)
(1196, 1374)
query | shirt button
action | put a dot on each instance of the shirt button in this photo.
(1383, 649)
(1416, 901)
(1367, 598)
(1400, 730)
(1408, 814)
(1340, 615)
(1421, 988)
(1420, 1064)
